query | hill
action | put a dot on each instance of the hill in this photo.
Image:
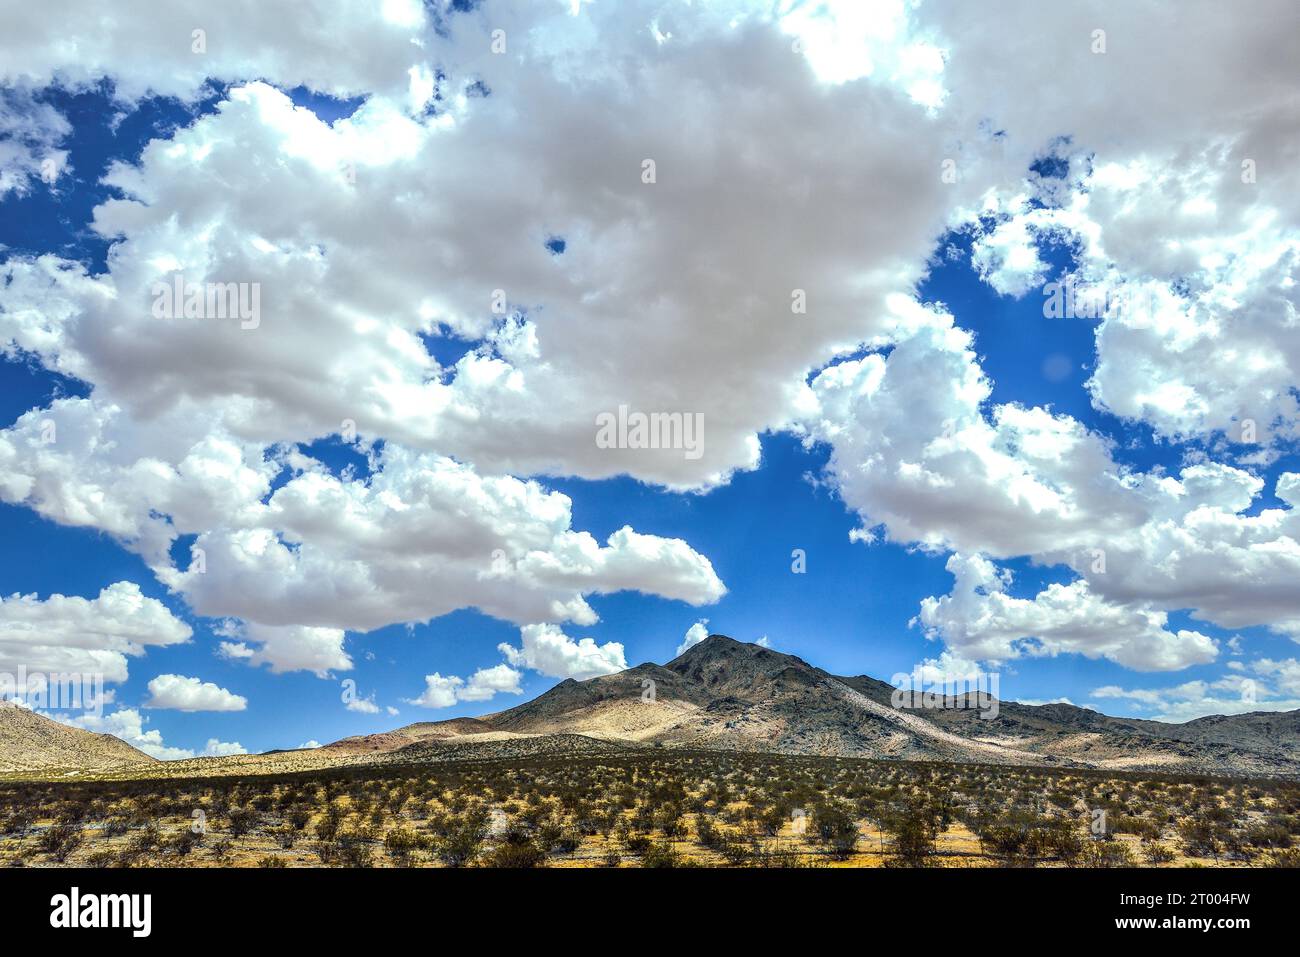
(32, 742)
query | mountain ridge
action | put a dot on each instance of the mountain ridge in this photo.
(726, 695)
(731, 695)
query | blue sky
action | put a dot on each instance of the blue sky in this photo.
(379, 207)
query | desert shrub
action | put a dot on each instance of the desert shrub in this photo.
(734, 851)
(705, 833)
(327, 829)
(912, 832)
(833, 826)
(671, 820)
(184, 842)
(1107, 854)
(461, 841)
(1200, 836)
(660, 854)
(772, 819)
(1158, 853)
(1286, 858)
(568, 841)
(241, 820)
(59, 840)
(548, 834)
(515, 849)
(401, 843)
(1125, 824)
(355, 849)
(18, 821)
(1271, 835)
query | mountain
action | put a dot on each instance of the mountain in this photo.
(729, 695)
(31, 742)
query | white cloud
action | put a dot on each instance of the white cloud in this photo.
(422, 536)
(128, 724)
(1039, 702)
(1270, 685)
(190, 694)
(1196, 274)
(913, 451)
(152, 50)
(694, 635)
(947, 668)
(483, 684)
(220, 749)
(439, 691)
(486, 683)
(548, 650)
(30, 134)
(290, 648)
(595, 328)
(362, 705)
(916, 455)
(980, 621)
(95, 636)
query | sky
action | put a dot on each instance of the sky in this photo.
(849, 249)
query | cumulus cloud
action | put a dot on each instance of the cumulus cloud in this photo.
(220, 749)
(362, 705)
(421, 536)
(580, 334)
(548, 650)
(30, 136)
(694, 635)
(1262, 685)
(483, 685)
(150, 50)
(948, 668)
(916, 451)
(90, 636)
(913, 452)
(128, 724)
(181, 693)
(290, 648)
(981, 621)
(1190, 277)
